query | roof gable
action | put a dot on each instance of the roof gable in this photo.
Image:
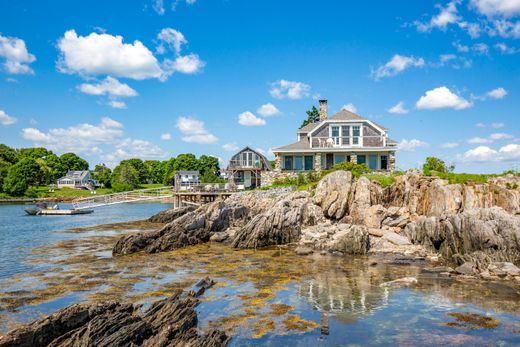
(262, 157)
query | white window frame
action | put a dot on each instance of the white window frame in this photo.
(338, 141)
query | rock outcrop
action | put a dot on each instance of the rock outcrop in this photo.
(171, 214)
(168, 322)
(340, 237)
(479, 235)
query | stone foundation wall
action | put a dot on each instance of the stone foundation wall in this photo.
(268, 177)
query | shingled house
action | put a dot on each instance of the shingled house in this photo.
(246, 168)
(343, 137)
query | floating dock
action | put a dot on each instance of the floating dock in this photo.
(63, 212)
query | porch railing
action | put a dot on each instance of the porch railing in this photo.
(348, 142)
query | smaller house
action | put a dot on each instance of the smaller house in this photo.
(78, 180)
(185, 179)
(246, 166)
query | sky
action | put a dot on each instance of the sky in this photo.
(151, 79)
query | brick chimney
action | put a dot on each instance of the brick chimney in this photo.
(323, 110)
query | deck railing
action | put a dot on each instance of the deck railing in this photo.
(244, 164)
(348, 141)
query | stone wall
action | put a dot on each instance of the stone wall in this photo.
(268, 177)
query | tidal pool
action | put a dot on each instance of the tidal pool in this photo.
(269, 296)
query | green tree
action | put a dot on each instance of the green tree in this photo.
(56, 168)
(313, 115)
(185, 162)
(8, 154)
(155, 171)
(4, 169)
(168, 171)
(208, 165)
(436, 164)
(139, 166)
(72, 162)
(34, 153)
(125, 177)
(103, 175)
(21, 176)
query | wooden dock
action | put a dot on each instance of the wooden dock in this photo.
(63, 212)
(198, 198)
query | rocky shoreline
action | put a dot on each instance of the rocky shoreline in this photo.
(472, 228)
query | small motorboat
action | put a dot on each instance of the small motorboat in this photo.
(32, 211)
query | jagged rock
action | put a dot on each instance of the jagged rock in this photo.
(279, 224)
(502, 269)
(479, 235)
(219, 236)
(376, 232)
(171, 214)
(332, 194)
(467, 268)
(354, 240)
(396, 239)
(168, 322)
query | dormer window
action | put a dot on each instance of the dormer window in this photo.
(345, 135)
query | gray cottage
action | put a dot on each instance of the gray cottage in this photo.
(77, 179)
(343, 137)
(246, 166)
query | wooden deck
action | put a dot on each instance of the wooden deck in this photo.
(198, 198)
(63, 212)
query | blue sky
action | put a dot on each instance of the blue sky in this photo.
(152, 79)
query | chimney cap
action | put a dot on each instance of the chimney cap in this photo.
(323, 100)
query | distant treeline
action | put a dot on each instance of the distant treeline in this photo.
(21, 169)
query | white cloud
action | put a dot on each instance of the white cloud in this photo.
(230, 147)
(109, 86)
(500, 136)
(447, 15)
(133, 148)
(505, 49)
(480, 125)
(158, 6)
(187, 64)
(498, 93)
(479, 140)
(411, 145)
(117, 104)
(460, 47)
(166, 136)
(350, 107)
(448, 145)
(249, 119)
(289, 89)
(399, 108)
(505, 28)
(506, 8)
(397, 64)
(17, 57)
(97, 54)
(268, 110)
(508, 152)
(6, 119)
(480, 48)
(81, 138)
(172, 38)
(194, 131)
(440, 98)
(497, 125)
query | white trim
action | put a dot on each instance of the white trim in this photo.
(381, 130)
(335, 149)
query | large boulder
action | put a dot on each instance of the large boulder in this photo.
(352, 240)
(480, 235)
(171, 214)
(168, 322)
(332, 194)
(280, 224)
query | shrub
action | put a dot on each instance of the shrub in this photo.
(356, 169)
(31, 192)
(436, 164)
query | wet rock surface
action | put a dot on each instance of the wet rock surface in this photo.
(168, 322)
(171, 214)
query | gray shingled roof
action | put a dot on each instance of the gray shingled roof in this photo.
(302, 144)
(389, 140)
(347, 115)
(308, 127)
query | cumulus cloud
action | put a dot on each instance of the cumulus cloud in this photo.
(248, 119)
(171, 39)
(289, 89)
(350, 107)
(268, 110)
(447, 15)
(194, 131)
(117, 104)
(497, 125)
(442, 97)
(505, 49)
(106, 54)
(159, 5)
(479, 140)
(411, 145)
(133, 148)
(81, 138)
(187, 64)
(17, 57)
(510, 152)
(109, 86)
(506, 8)
(500, 136)
(231, 147)
(498, 93)
(6, 119)
(448, 145)
(397, 64)
(166, 136)
(398, 108)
